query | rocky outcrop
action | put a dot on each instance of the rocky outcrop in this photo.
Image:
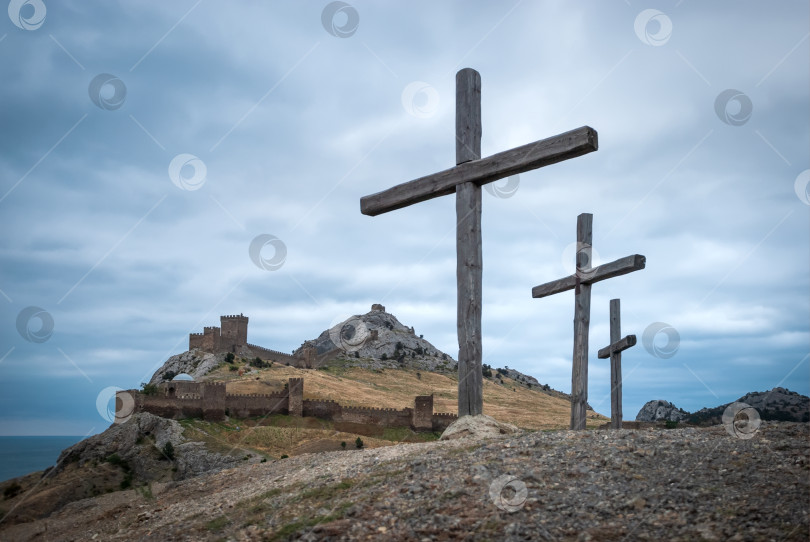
(778, 404)
(654, 411)
(478, 427)
(195, 363)
(378, 340)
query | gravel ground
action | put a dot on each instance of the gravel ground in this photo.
(678, 484)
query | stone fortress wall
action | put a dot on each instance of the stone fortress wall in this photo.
(210, 401)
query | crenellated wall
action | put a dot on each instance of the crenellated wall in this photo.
(209, 401)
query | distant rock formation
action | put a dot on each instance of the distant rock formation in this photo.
(778, 404)
(195, 363)
(376, 340)
(654, 411)
(478, 427)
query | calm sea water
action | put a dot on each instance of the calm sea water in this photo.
(23, 455)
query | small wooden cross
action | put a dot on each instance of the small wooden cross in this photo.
(466, 179)
(614, 352)
(581, 282)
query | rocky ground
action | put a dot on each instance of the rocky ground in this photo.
(677, 484)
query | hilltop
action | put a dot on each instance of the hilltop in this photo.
(679, 484)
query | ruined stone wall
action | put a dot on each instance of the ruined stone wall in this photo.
(295, 389)
(321, 408)
(195, 340)
(211, 339)
(423, 413)
(249, 406)
(274, 355)
(441, 421)
(389, 417)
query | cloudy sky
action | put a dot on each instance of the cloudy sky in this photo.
(146, 145)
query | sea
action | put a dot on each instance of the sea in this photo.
(24, 455)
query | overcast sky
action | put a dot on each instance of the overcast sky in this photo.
(146, 145)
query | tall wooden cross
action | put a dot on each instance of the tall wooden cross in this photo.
(465, 179)
(614, 352)
(581, 281)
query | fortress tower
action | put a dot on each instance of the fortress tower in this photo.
(295, 390)
(234, 332)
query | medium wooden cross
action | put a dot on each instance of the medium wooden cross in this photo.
(465, 179)
(614, 352)
(581, 282)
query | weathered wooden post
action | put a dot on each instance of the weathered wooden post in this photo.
(614, 352)
(581, 281)
(465, 179)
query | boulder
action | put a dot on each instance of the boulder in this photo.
(478, 427)
(654, 411)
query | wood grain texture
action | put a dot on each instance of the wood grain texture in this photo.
(482, 171)
(619, 346)
(582, 320)
(615, 365)
(468, 274)
(469, 257)
(468, 115)
(616, 268)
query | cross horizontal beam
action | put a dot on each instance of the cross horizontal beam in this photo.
(616, 268)
(485, 170)
(620, 346)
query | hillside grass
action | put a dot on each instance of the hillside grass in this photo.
(510, 402)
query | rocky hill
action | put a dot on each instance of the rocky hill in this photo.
(778, 404)
(378, 340)
(678, 484)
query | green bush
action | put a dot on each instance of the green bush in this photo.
(671, 424)
(168, 451)
(384, 356)
(168, 375)
(358, 443)
(284, 456)
(229, 357)
(149, 389)
(343, 444)
(12, 491)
